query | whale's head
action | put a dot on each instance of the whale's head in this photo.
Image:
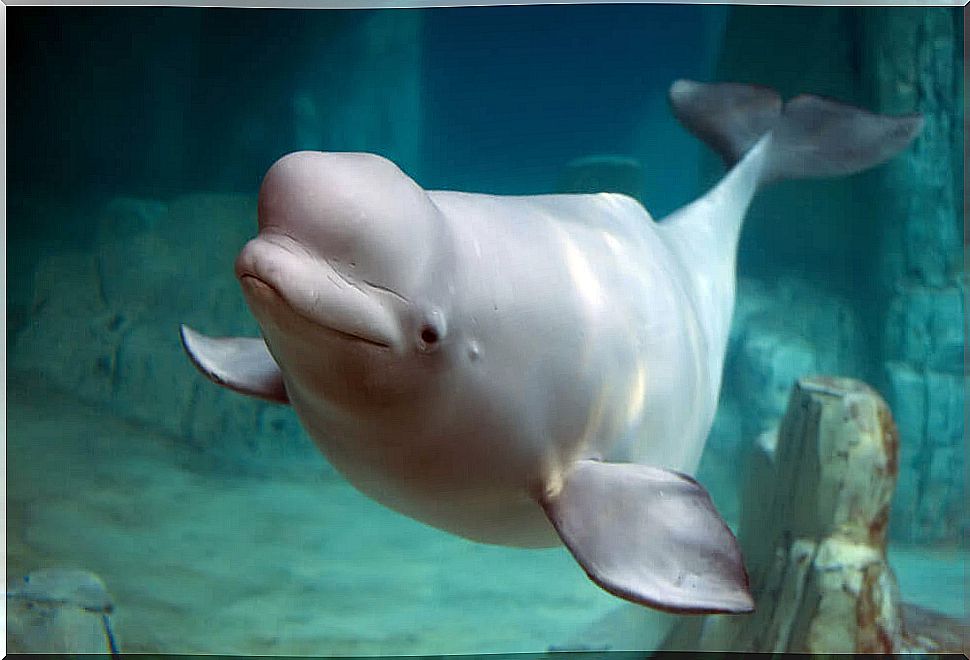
(342, 277)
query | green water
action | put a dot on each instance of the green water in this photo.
(137, 139)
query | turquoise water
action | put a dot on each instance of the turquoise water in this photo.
(137, 139)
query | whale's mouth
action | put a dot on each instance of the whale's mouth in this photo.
(258, 289)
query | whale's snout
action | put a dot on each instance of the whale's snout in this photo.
(292, 290)
(346, 241)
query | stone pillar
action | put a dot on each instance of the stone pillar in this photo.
(912, 61)
(812, 531)
(275, 82)
(363, 91)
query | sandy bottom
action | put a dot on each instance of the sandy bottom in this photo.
(201, 560)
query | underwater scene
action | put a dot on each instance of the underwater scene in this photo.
(375, 332)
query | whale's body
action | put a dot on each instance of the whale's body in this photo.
(582, 326)
(527, 370)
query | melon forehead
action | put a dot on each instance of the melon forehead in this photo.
(351, 187)
(358, 210)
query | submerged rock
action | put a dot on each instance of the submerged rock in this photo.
(59, 610)
(813, 531)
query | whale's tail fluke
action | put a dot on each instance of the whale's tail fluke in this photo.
(762, 140)
(811, 136)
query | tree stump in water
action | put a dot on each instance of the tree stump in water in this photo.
(813, 528)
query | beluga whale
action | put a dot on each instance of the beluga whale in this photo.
(529, 370)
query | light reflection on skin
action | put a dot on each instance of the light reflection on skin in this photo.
(584, 279)
(638, 395)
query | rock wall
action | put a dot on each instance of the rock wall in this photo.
(104, 323)
(914, 62)
(885, 243)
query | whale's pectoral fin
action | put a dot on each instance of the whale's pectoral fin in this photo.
(243, 364)
(651, 536)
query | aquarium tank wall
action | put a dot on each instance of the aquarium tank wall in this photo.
(137, 140)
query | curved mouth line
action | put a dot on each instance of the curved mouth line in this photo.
(341, 333)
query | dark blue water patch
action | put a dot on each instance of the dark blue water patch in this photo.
(513, 93)
(158, 101)
(93, 95)
(152, 100)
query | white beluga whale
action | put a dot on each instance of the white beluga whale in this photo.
(528, 370)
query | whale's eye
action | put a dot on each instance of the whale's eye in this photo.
(431, 332)
(429, 335)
